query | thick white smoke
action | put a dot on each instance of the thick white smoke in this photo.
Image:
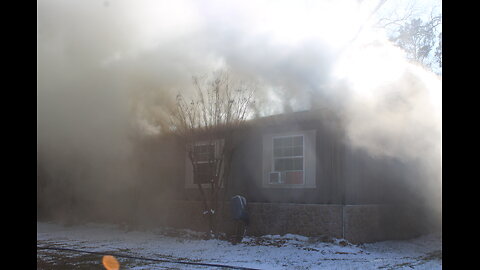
(110, 69)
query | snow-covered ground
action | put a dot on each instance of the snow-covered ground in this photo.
(267, 252)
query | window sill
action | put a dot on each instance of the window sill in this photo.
(288, 186)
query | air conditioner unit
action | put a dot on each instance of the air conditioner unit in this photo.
(275, 178)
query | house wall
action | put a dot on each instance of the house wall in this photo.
(343, 175)
(373, 180)
(374, 222)
(357, 196)
(246, 176)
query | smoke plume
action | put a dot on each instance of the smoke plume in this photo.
(110, 70)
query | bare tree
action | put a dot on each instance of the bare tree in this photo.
(419, 36)
(418, 39)
(438, 50)
(205, 123)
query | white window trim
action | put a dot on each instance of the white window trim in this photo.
(189, 168)
(309, 159)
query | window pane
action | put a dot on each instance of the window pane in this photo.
(287, 152)
(298, 141)
(204, 168)
(288, 142)
(284, 151)
(288, 146)
(277, 152)
(203, 174)
(288, 164)
(298, 151)
(204, 152)
(297, 164)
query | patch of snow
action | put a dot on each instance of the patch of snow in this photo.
(289, 251)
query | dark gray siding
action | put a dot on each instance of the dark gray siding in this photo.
(343, 175)
(246, 175)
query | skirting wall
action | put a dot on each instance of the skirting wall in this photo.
(355, 223)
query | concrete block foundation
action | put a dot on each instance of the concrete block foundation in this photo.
(355, 223)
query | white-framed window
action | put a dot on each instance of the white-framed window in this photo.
(289, 160)
(206, 154)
